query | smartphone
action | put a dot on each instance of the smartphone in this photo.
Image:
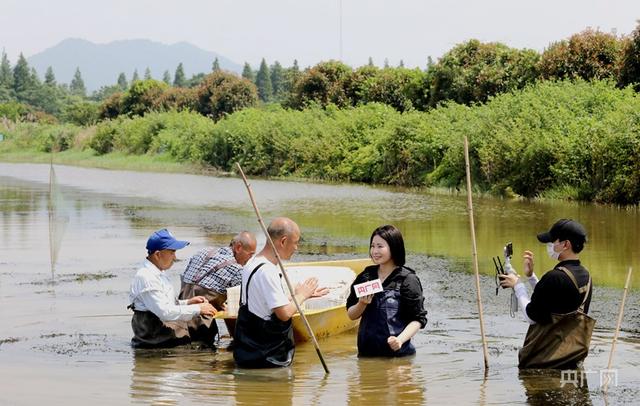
(508, 250)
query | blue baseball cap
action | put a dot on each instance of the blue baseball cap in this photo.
(163, 240)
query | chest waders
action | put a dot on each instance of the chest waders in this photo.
(151, 332)
(380, 320)
(260, 343)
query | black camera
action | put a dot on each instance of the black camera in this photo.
(500, 268)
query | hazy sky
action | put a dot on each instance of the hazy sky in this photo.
(309, 30)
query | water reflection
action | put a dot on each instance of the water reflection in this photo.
(106, 235)
(339, 218)
(544, 387)
(396, 381)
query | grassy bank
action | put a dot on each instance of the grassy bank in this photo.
(568, 140)
(115, 160)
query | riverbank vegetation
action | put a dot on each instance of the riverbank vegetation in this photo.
(561, 124)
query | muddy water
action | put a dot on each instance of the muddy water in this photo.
(64, 335)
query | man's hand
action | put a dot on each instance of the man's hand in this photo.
(197, 300)
(509, 280)
(528, 263)
(206, 309)
(307, 288)
(394, 342)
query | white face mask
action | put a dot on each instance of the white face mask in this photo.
(551, 252)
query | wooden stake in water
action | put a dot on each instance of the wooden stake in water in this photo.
(53, 251)
(284, 273)
(475, 253)
(615, 335)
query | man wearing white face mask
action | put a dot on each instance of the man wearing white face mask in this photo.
(566, 289)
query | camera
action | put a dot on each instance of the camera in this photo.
(506, 268)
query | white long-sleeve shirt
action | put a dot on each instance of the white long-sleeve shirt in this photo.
(523, 296)
(151, 290)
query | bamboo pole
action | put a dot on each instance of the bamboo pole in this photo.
(286, 276)
(615, 335)
(475, 253)
(52, 219)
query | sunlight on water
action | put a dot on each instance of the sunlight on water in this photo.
(73, 325)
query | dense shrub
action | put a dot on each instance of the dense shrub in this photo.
(81, 113)
(576, 138)
(142, 97)
(474, 71)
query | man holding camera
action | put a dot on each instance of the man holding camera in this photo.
(560, 330)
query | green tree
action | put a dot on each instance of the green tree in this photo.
(291, 76)
(474, 71)
(49, 77)
(147, 74)
(277, 81)
(105, 92)
(179, 79)
(82, 113)
(34, 76)
(247, 72)
(6, 95)
(263, 82)
(122, 81)
(77, 84)
(109, 109)
(222, 93)
(179, 98)
(588, 55)
(629, 72)
(429, 62)
(166, 77)
(195, 80)
(323, 84)
(399, 88)
(6, 78)
(22, 82)
(135, 76)
(142, 97)
(215, 66)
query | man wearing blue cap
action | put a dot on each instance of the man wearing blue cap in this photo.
(159, 320)
(559, 328)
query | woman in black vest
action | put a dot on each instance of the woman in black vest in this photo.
(392, 317)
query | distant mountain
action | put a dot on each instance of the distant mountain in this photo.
(100, 64)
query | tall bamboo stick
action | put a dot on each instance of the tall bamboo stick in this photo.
(286, 277)
(615, 335)
(475, 252)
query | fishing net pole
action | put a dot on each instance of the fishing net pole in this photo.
(57, 219)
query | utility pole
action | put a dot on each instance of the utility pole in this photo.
(340, 27)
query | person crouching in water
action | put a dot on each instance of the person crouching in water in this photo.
(392, 317)
(210, 273)
(559, 331)
(159, 320)
(264, 335)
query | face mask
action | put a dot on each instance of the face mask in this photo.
(551, 252)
